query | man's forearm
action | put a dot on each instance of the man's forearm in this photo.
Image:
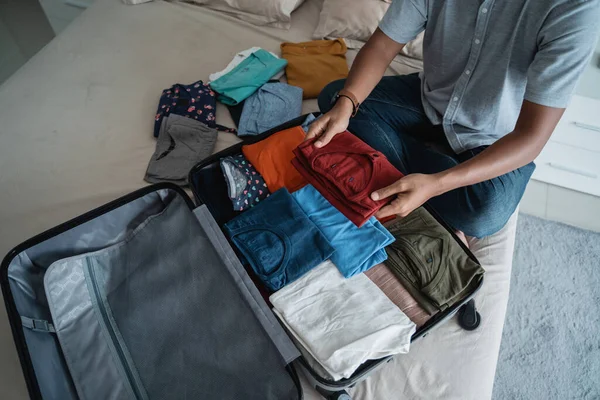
(366, 72)
(513, 151)
(370, 64)
(507, 154)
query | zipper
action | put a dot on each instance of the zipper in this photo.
(14, 317)
(111, 332)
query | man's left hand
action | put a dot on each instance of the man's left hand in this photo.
(411, 192)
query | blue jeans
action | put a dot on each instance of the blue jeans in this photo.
(392, 120)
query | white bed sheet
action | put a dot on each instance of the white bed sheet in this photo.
(76, 132)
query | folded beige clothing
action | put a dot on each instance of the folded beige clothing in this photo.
(342, 322)
(393, 289)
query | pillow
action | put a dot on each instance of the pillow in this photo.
(355, 21)
(258, 12)
(134, 2)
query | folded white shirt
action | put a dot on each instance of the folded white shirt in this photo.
(342, 322)
(239, 57)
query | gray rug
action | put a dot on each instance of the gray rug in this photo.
(551, 341)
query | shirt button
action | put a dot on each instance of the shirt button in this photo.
(485, 10)
(477, 41)
(468, 72)
(455, 99)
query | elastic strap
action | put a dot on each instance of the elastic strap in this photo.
(37, 325)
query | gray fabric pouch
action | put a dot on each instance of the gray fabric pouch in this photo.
(182, 143)
(165, 313)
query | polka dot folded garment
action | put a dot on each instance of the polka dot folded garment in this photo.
(245, 186)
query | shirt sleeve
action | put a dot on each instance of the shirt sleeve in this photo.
(404, 20)
(566, 42)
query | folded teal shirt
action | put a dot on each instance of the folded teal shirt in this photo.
(278, 240)
(356, 249)
(245, 79)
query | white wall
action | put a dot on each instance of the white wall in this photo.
(24, 30)
(11, 57)
(589, 85)
(61, 13)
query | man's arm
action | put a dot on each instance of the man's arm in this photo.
(402, 22)
(368, 68)
(520, 147)
(533, 129)
(565, 44)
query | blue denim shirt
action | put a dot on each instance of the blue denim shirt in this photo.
(271, 105)
(278, 240)
(357, 249)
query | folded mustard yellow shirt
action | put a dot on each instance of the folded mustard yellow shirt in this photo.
(312, 65)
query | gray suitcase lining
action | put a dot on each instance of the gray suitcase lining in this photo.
(125, 363)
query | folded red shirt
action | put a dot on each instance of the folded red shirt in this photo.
(346, 172)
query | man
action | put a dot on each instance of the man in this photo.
(497, 77)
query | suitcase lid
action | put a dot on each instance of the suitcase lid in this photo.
(43, 249)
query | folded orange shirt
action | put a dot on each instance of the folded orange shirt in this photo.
(312, 65)
(272, 158)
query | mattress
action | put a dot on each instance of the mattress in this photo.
(76, 132)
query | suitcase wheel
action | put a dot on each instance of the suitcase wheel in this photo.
(342, 395)
(468, 317)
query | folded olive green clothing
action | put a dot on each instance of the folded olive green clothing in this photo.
(430, 263)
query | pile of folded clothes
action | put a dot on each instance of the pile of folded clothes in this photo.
(347, 171)
(249, 86)
(348, 288)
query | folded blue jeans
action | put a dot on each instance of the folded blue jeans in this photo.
(278, 240)
(270, 106)
(356, 249)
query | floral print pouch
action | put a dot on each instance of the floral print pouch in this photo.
(196, 101)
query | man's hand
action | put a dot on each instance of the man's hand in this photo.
(330, 124)
(411, 192)
(367, 69)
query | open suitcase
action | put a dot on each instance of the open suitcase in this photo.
(145, 298)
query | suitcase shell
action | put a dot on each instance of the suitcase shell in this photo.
(209, 189)
(47, 373)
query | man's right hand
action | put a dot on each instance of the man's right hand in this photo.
(331, 123)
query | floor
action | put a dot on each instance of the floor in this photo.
(549, 345)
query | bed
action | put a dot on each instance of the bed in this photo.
(76, 132)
